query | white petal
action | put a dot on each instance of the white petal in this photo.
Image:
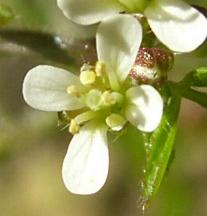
(88, 12)
(145, 107)
(176, 24)
(118, 40)
(45, 88)
(86, 164)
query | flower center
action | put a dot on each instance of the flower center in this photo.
(93, 99)
(99, 97)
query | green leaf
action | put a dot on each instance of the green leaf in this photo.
(44, 44)
(6, 14)
(159, 146)
(197, 77)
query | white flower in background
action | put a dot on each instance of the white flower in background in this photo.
(103, 97)
(176, 24)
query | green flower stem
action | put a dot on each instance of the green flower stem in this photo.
(187, 92)
(196, 96)
(197, 77)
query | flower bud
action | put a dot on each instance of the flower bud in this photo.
(151, 65)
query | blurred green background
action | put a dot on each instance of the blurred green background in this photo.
(32, 147)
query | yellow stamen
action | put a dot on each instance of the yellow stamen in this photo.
(74, 127)
(100, 69)
(87, 77)
(115, 122)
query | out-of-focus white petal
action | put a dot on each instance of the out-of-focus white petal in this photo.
(145, 107)
(118, 39)
(176, 24)
(45, 88)
(86, 164)
(88, 12)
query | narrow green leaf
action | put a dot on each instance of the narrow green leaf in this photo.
(159, 150)
(197, 77)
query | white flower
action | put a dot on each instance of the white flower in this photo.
(175, 23)
(103, 100)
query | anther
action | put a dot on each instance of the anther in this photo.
(74, 127)
(87, 77)
(115, 121)
(100, 69)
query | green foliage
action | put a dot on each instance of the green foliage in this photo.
(197, 77)
(159, 146)
(6, 14)
(185, 88)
